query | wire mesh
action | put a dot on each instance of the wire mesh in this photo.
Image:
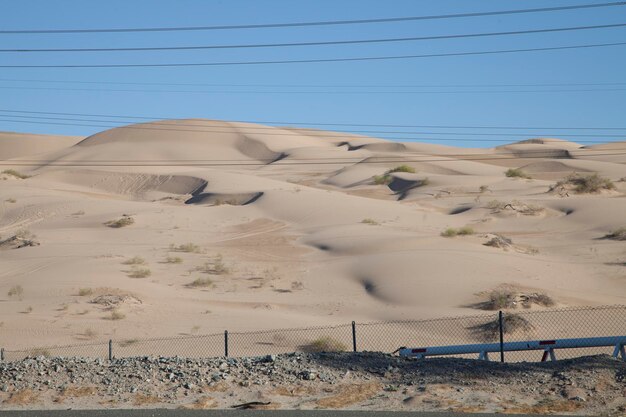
(380, 337)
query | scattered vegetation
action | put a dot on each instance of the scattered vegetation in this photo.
(516, 173)
(297, 285)
(501, 299)
(85, 292)
(15, 174)
(618, 234)
(16, 291)
(185, 247)
(135, 260)
(201, 283)
(22, 397)
(173, 260)
(386, 177)
(137, 272)
(121, 222)
(116, 315)
(584, 184)
(36, 352)
(143, 399)
(215, 266)
(452, 232)
(497, 206)
(507, 298)
(324, 344)
(350, 394)
(370, 221)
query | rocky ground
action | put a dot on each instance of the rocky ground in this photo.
(368, 381)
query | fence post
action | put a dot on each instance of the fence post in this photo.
(353, 336)
(2, 355)
(226, 343)
(501, 325)
(110, 349)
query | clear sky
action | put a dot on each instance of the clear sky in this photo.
(321, 92)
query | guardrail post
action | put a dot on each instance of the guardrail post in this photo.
(226, 343)
(353, 336)
(110, 349)
(501, 325)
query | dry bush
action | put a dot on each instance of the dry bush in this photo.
(370, 221)
(483, 189)
(143, 399)
(618, 234)
(16, 291)
(516, 173)
(136, 272)
(89, 333)
(185, 247)
(324, 344)
(15, 174)
(75, 392)
(135, 260)
(499, 241)
(350, 394)
(511, 323)
(201, 283)
(116, 315)
(582, 184)
(22, 397)
(215, 266)
(128, 342)
(36, 352)
(84, 292)
(11, 200)
(122, 222)
(297, 285)
(28, 310)
(173, 260)
(452, 232)
(541, 299)
(201, 403)
(501, 299)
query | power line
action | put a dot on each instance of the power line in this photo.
(321, 60)
(319, 23)
(319, 92)
(318, 43)
(257, 129)
(318, 85)
(292, 123)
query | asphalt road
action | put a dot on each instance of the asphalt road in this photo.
(231, 413)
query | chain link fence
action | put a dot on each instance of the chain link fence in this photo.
(379, 337)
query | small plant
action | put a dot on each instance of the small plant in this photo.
(11, 200)
(370, 221)
(185, 247)
(90, 333)
(297, 285)
(85, 292)
(78, 213)
(116, 315)
(16, 291)
(584, 183)
(324, 344)
(28, 310)
(137, 272)
(15, 174)
(516, 173)
(501, 299)
(386, 177)
(216, 266)
(201, 283)
(173, 260)
(135, 260)
(128, 342)
(122, 222)
(452, 232)
(618, 234)
(483, 189)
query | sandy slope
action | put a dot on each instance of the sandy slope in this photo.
(304, 235)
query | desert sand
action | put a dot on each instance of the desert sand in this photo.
(241, 227)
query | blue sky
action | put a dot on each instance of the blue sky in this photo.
(455, 106)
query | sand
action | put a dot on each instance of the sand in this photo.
(290, 229)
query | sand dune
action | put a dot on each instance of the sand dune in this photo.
(288, 227)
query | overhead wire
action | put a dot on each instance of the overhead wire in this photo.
(316, 43)
(318, 60)
(318, 23)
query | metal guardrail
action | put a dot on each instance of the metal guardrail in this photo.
(548, 347)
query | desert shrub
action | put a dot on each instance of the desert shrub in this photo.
(452, 232)
(297, 285)
(11, 200)
(386, 177)
(538, 298)
(618, 234)
(511, 323)
(201, 283)
(90, 333)
(516, 173)
(324, 344)
(135, 260)
(84, 292)
(28, 310)
(215, 266)
(15, 174)
(370, 221)
(122, 222)
(483, 189)
(185, 247)
(585, 183)
(173, 260)
(16, 291)
(35, 352)
(501, 299)
(128, 342)
(137, 272)
(496, 205)
(116, 315)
